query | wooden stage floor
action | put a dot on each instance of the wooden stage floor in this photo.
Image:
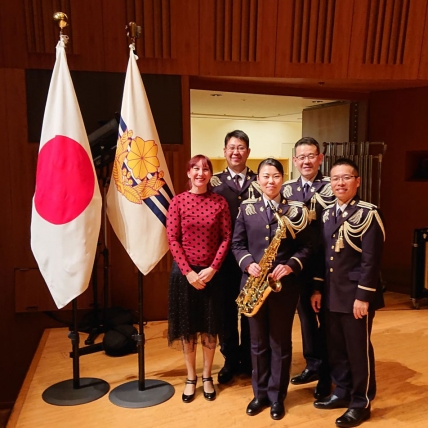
(400, 339)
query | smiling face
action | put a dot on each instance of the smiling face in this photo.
(236, 153)
(270, 180)
(199, 175)
(307, 160)
(344, 182)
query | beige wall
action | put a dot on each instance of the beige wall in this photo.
(266, 138)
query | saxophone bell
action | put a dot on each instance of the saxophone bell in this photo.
(275, 285)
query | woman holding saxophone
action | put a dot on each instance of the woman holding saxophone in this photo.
(263, 251)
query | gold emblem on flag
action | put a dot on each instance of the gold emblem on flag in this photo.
(136, 168)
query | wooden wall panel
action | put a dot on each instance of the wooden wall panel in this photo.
(386, 39)
(423, 66)
(313, 38)
(237, 37)
(169, 42)
(399, 119)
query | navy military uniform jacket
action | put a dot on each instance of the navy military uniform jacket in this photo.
(353, 249)
(223, 184)
(252, 222)
(316, 199)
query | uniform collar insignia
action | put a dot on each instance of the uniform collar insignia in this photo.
(262, 208)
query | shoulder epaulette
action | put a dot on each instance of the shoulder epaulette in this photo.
(215, 181)
(368, 205)
(325, 178)
(249, 201)
(290, 181)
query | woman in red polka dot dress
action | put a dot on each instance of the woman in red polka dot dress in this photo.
(199, 236)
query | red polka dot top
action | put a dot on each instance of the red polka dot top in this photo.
(199, 230)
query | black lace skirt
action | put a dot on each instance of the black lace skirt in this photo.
(194, 313)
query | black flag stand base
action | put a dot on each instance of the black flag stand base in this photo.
(142, 392)
(77, 390)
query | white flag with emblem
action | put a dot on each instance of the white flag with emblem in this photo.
(140, 189)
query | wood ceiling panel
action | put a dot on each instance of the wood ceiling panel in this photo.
(313, 38)
(237, 37)
(168, 42)
(387, 39)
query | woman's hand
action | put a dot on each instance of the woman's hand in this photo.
(206, 275)
(316, 301)
(194, 280)
(280, 271)
(254, 269)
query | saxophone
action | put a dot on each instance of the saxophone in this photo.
(256, 289)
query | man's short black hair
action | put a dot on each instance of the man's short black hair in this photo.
(240, 135)
(307, 141)
(349, 162)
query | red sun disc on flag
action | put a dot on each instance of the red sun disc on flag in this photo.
(65, 180)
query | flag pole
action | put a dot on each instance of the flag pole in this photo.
(143, 392)
(78, 390)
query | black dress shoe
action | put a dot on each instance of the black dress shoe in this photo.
(353, 417)
(322, 390)
(210, 396)
(277, 410)
(256, 406)
(332, 402)
(226, 374)
(189, 398)
(305, 377)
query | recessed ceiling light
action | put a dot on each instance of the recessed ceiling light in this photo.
(216, 95)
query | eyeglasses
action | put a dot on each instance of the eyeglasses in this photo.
(240, 149)
(310, 157)
(344, 178)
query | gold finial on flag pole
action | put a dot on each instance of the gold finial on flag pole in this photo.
(133, 32)
(62, 19)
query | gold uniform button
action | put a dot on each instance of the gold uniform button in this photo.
(331, 269)
(332, 247)
(267, 238)
(267, 226)
(331, 258)
(239, 197)
(334, 235)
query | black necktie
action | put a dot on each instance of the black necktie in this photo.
(305, 190)
(269, 213)
(338, 214)
(237, 181)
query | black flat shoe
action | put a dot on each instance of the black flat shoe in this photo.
(277, 410)
(332, 402)
(306, 376)
(189, 398)
(210, 396)
(256, 406)
(226, 374)
(353, 417)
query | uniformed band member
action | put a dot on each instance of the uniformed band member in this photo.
(314, 190)
(235, 185)
(353, 235)
(271, 326)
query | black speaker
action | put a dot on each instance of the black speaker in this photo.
(419, 288)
